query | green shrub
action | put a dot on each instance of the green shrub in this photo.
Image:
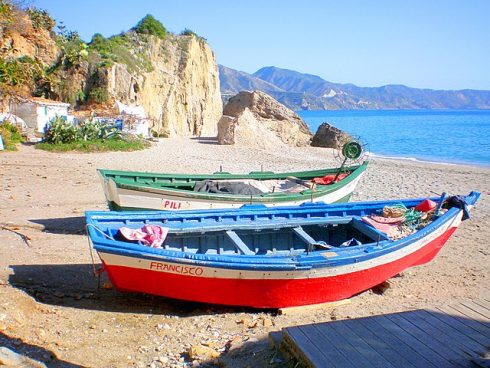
(41, 19)
(19, 72)
(98, 95)
(90, 130)
(149, 25)
(188, 32)
(80, 97)
(60, 131)
(10, 135)
(118, 49)
(116, 144)
(6, 13)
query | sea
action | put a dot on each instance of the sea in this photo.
(449, 136)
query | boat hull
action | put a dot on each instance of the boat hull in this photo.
(192, 281)
(123, 199)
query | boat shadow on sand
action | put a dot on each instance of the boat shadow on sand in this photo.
(75, 286)
(74, 225)
(35, 352)
(206, 140)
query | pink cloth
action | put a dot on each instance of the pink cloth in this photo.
(383, 224)
(151, 235)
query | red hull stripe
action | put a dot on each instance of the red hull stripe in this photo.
(267, 292)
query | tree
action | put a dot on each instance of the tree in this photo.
(149, 25)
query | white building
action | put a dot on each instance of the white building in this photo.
(38, 112)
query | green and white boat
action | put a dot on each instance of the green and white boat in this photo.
(127, 190)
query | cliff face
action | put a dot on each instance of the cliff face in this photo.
(21, 39)
(175, 78)
(180, 92)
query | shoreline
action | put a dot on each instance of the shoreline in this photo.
(45, 195)
(420, 161)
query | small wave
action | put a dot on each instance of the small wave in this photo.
(413, 159)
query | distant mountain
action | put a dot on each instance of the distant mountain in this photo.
(311, 92)
(233, 81)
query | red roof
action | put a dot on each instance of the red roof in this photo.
(45, 101)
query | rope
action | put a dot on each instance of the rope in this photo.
(97, 273)
(397, 210)
(413, 219)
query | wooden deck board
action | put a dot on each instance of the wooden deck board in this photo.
(393, 340)
(449, 336)
(380, 343)
(468, 317)
(483, 303)
(463, 328)
(429, 337)
(364, 349)
(311, 353)
(454, 337)
(477, 308)
(429, 353)
(327, 346)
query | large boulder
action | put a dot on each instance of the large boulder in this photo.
(257, 119)
(329, 136)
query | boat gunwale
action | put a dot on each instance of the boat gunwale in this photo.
(266, 175)
(236, 261)
(277, 197)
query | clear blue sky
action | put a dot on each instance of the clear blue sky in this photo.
(420, 43)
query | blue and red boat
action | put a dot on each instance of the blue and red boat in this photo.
(272, 257)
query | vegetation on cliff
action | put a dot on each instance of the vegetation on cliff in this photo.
(10, 135)
(149, 25)
(174, 77)
(78, 73)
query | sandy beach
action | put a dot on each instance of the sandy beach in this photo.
(51, 309)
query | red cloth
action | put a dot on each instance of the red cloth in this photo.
(151, 235)
(426, 206)
(328, 179)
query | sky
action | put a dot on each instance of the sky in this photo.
(437, 44)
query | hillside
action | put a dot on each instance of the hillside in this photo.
(233, 81)
(174, 77)
(310, 92)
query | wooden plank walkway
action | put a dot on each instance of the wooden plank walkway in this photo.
(452, 336)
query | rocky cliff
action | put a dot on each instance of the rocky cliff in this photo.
(256, 119)
(174, 77)
(22, 38)
(180, 91)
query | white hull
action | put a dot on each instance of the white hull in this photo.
(127, 198)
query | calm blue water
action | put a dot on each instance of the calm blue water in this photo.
(454, 136)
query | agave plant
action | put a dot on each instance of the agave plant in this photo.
(110, 131)
(89, 130)
(60, 131)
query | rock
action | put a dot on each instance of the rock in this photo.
(257, 119)
(266, 322)
(226, 130)
(200, 351)
(381, 288)
(329, 136)
(10, 358)
(180, 94)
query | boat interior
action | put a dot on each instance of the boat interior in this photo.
(286, 184)
(276, 238)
